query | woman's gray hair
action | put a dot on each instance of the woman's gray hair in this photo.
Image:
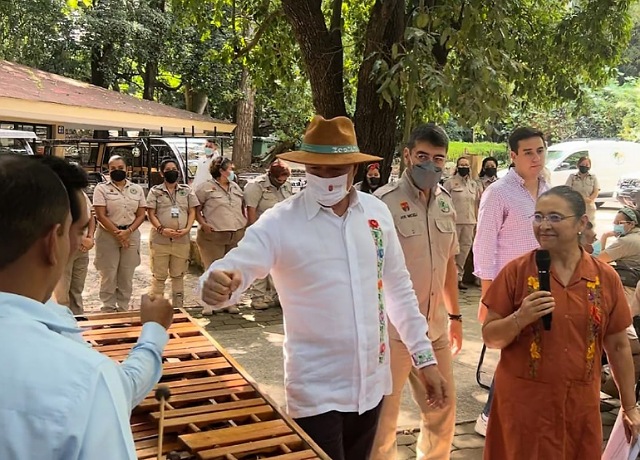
(573, 198)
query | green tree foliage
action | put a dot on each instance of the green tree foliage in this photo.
(392, 62)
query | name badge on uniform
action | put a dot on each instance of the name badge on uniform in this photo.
(175, 212)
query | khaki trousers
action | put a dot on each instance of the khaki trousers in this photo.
(169, 259)
(68, 291)
(437, 426)
(465, 239)
(264, 290)
(116, 266)
(215, 245)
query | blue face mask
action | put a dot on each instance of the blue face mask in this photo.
(597, 248)
(619, 229)
(232, 176)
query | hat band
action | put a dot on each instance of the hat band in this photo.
(630, 214)
(316, 148)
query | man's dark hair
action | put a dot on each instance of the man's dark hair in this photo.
(428, 132)
(213, 141)
(74, 179)
(573, 199)
(521, 134)
(33, 201)
(166, 161)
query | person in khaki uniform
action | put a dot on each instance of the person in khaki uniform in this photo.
(262, 194)
(465, 194)
(425, 219)
(120, 210)
(68, 291)
(171, 208)
(586, 184)
(625, 250)
(221, 215)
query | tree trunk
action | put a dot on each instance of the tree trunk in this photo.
(322, 53)
(195, 100)
(99, 59)
(375, 121)
(245, 114)
(149, 77)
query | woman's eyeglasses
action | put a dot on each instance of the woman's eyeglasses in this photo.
(553, 218)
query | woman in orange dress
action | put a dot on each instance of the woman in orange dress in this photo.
(547, 399)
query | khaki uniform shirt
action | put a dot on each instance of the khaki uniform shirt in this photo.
(486, 181)
(166, 204)
(427, 233)
(465, 194)
(261, 194)
(584, 186)
(121, 205)
(222, 209)
(626, 249)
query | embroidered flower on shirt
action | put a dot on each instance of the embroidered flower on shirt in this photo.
(376, 232)
(535, 349)
(422, 357)
(595, 322)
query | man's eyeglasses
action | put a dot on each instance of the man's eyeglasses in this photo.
(552, 218)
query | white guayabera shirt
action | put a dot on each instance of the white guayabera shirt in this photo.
(337, 278)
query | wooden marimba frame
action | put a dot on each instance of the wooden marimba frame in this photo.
(215, 411)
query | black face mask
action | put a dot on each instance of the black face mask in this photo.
(584, 169)
(373, 181)
(490, 172)
(463, 171)
(171, 176)
(118, 175)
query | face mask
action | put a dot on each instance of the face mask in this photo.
(171, 176)
(619, 229)
(231, 176)
(208, 151)
(425, 175)
(373, 181)
(463, 171)
(327, 191)
(118, 175)
(490, 172)
(584, 169)
(597, 247)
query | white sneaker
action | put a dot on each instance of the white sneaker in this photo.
(481, 425)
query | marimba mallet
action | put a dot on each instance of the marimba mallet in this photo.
(163, 393)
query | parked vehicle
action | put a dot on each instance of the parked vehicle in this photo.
(628, 191)
(16, 142)
(609, 160)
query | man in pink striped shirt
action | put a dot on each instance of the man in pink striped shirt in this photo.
(504, 229)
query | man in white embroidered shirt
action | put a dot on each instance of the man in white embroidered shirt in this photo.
(335, 258)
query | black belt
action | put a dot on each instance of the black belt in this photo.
(123, 227)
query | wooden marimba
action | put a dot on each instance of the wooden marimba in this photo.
(215, 410)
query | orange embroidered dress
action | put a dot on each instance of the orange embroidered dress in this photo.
(547, 384)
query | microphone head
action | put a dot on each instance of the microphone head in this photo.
(543, 259)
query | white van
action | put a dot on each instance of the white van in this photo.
(609, 160)
(16, 142)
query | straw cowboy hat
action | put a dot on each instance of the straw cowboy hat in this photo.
(329, 143)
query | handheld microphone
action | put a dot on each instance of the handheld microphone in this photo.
(543, 261)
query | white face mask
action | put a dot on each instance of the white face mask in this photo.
(327, 191)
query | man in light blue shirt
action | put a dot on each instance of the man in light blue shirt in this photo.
(59, 399)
